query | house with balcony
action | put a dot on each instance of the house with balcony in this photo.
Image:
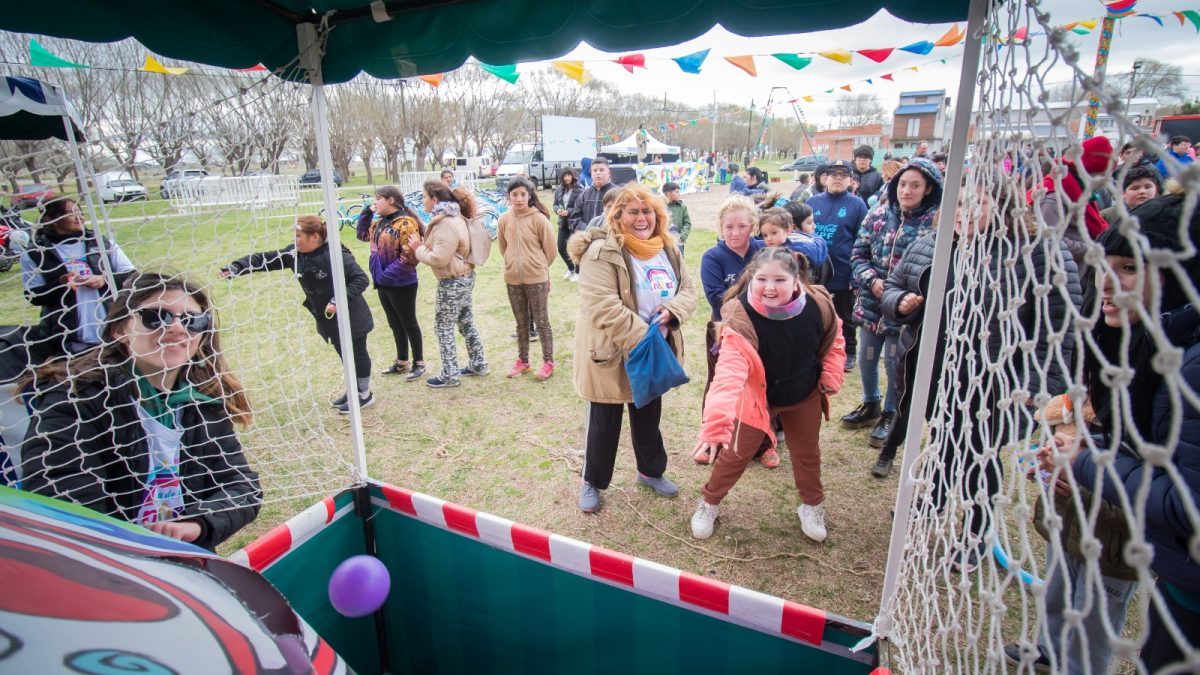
(920, 116)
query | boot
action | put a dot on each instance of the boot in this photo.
(863, 416)
(883, 428)
(883, 465)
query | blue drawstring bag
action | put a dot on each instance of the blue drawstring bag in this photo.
(652, 367)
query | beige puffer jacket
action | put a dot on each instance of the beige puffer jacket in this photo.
(609, 326)
(446, 247)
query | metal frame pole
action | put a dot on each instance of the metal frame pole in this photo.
(310, 52)
(931, 327)
(84, 179)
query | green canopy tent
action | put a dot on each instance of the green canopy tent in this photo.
(333, 42)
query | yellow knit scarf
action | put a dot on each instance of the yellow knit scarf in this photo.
(644, 249)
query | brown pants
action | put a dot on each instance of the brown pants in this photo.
(802, 424)
(531, 305)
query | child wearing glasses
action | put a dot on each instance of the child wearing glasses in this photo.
(309, 259)
(142, 427)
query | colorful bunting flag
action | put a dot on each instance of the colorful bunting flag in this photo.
(794, 60)
(746, 63)
(632, 61)
(1021, 34)
(40, 56)
(1071, 25)
(507, 73)
(573, 70)
(913, 68)
(692, 62)
(951, 38)
(839, 55)
(808, 99)
(869, 81)
(921, 48)
(1193, 16)
(1121, 8)
(153, 66)
(888, 77)
(1089, 24)
(845, 86)
(1154, 19)
(252, 69)
(434, 81)
(877, 55)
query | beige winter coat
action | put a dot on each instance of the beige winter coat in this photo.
(446, 247)
(609, 326)
(528, 245)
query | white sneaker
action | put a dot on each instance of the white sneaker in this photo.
(574, 276)
(812, 521)
(703, 519)
(567, 276)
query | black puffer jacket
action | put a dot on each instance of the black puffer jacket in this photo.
(86, 444)
(565, 199)
(314, 272)
(1026, 281)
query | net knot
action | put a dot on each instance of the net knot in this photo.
(1155, 455)
(1138, 554)
(1168, 360)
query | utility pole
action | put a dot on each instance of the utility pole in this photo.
(1137, 65)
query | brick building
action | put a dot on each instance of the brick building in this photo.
(920, 116)
(840, 143)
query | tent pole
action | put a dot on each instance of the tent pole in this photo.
(82, 178)
(310, 50)
(932, 326)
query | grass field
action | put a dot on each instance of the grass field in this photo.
(509, 447)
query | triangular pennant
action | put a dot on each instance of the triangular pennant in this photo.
(252, 69)
(1121, 8)
(746, 63)
(869, 81)
(951, 38)
(845, 86)
(1194, 17)
(828, 91)
(1021, 34)
(1080, 30)
(877, 55)
(1089, 24)
(40, 56)
(1154, 19)
(943, 61)
(692, 122)
(888, 77)
(794, 60)
(573, 70)
(692, 62)
(808, 99)
(839, 55)
(507, 73)
(153, 66)
(913, 68)
(1069, 26)
(434, 80)
(632, 61)
(921, 48)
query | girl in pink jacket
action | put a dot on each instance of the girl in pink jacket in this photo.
(782, 353)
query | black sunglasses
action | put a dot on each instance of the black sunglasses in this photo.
(154, 318)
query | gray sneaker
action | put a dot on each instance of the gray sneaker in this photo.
(662, 485)
(589, 498)
(474, 372)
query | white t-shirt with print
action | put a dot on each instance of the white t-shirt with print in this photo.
(654, 283)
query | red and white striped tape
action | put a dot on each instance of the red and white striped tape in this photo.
(259, 554)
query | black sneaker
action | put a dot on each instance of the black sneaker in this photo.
(367, 402)
(439, 383)
(416, 373)
(1012, 654)
(395, 369)
(851, 362)
(474, 372)
(533, 336)
(883, 428)
(883, 467)
(863, 416)
(339, 401)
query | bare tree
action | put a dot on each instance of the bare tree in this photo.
(1154, 79)
(857, 110)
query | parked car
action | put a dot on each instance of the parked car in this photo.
(805, 163)
(119, 186)
(31, 195)
(313, 177)
(252, 173)
(178, 177)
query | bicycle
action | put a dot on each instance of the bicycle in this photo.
(349, 215)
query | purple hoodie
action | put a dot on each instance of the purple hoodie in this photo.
(391, 263)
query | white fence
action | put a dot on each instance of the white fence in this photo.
(411, 181)
(250, 192)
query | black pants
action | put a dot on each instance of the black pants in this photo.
(964, 469)
(1160, 649)
(400, 307)
(907, 370)
(362, 360)
(604, 432)
(564, 234)
(843, 304)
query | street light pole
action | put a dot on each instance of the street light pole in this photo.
(1137, 65)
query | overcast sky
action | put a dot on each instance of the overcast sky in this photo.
(1135, 38)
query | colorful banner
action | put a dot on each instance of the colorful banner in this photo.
(691, 176)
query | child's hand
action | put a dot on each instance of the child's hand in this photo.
(224, 273)
(877, 288)
(414, 242)
(184, 530)
(705, 452)
(910, 303)
(330, 310)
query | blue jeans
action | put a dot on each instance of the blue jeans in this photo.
(1069, 591)
(870, 347)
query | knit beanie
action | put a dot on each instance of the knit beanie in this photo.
(1160, 225)
(1097, 155)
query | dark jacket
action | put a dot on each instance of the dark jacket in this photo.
(86, 444)
(1168, 527)
(565, 199)
(884, 235)
(588, 205)
(869, 182)
(837, 220)
(720, 268)
(57, 330)
(314, 272)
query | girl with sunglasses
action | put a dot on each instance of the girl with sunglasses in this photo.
(142, 427)
(309, 259)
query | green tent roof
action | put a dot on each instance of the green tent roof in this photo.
(433, 36)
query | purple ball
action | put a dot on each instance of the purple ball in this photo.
(359, 586)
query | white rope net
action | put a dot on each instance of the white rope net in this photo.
(199, 170)
(1023, 326)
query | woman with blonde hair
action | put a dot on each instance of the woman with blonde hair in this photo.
(630, 276)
